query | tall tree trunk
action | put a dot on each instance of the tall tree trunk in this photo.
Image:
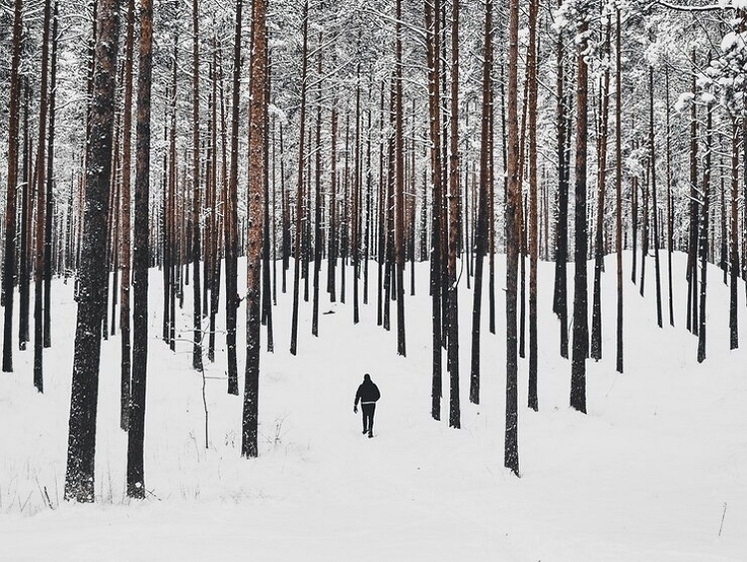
(532, 399)
(670, 215)
(357, 206)
(300, 185)
(266, 284)
(24, 281)
(734, 238)
(481, 230)
(124, 314)
(49, 199)
(399, 201)
(79, 477)
(317, 194)
(41, 203)
(136, 433)
(230, 223)
(513, 228)
(560, 300)
(9, 263)
(596, 319)
(703, 234)
(580, 297)
(196, 198)
(692, 253)
(432, 26)
(454, 234)
(332, 236)
(257, 177)
(618, 190)
(655, 208)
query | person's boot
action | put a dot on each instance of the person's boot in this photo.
(370, 434)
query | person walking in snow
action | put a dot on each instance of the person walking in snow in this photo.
(368, 393)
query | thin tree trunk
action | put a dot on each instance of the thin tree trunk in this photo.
(655, 209)
(317, 195)
(41, 203)
(24, 280)
(300, 185)
(734, 238)
(136, 433)
(196, 199)
(454, 234)
(618, 190)
(532, 399)
(670, 215)
(399, 201)
(596, 319)
(560, 300)
(432, 26)
(9, 263)
(257, 177)
(580, 296)
(48, 215)
(703, 234)
(481, 230)
(513, 227)
(124, 314)
(230, 223)
(692, 254)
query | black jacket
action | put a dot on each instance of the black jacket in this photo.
(367, 392)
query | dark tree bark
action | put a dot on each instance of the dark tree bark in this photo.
(481, 230)
(230, 223)
(332, 236)
(41, 207)
(703, 247)
(9, 263)
(124, 313)
(654, 203)
(580, 291)
(355, 219)
(734, 238)
(257, 177)
(560, 298)
(24, 280)
(79, 477)
(670, 215)
(300, 185)
(196, 197)
(267, 288)
(454, 234)
(136, 433)
(692, 248)
(49, 199)
(399, 201)
(532, 399)
(432, 26)
(513, 227)
(596, 318)
(318, 244)
(618, 190)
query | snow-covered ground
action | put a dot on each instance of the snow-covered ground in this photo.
(657, 470)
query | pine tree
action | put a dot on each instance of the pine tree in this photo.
(141, 261)
(79, 478)
(257, 177)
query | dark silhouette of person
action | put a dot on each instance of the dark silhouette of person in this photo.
(368, 393)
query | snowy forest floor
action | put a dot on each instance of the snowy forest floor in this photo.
(657, 470)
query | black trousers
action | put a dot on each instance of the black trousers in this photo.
(368, 417)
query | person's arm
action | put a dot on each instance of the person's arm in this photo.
(357, 397)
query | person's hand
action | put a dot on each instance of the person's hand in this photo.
(355, 409)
